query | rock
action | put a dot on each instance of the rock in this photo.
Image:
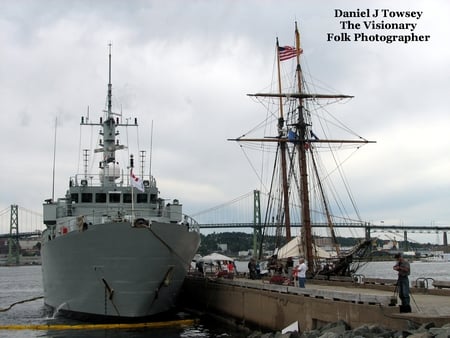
(413, 325)
(283, 335)
(330, 334)
(380, 332)
(443, 334)
(361, 331)
(310, 334)
(267, 335)
(420, 335)
(400, 334)
(427, 326)
(367, 331)
(440, 332)
(338, 327)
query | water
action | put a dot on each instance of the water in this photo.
(24, 282)
(435, 270)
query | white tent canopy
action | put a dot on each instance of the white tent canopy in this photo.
(214, 257)
(294, 249)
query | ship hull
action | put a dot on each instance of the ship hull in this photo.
(116, 270)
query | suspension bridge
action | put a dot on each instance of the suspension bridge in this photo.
(31, 226)
(244, 212)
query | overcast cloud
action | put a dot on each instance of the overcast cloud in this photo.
(187, 65)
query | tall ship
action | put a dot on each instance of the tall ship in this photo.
(112, 246)
(303, 147)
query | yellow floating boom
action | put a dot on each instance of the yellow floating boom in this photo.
(152, 325)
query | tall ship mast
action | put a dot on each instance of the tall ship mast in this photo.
(296, 178)
(113, 247)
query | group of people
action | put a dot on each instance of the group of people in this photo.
(296, 274)
(220, 267)
(293, 273)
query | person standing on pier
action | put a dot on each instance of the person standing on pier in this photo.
(404, 270)
(252, 268)
(302, 268)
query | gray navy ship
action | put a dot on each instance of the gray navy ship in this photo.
(112, 247)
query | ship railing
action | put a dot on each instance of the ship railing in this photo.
(121, 214)
(88, 218)
(122, 180)
(191, 223)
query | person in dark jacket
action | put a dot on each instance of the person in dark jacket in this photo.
(252, 268)
(403, 269)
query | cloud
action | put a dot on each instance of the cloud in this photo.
(187, 68)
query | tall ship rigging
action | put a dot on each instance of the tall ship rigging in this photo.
(112, 246)
(294, 139)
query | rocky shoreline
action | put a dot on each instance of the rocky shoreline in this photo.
(341, 329)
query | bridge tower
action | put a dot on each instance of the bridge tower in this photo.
(367, 231)
(256, 224)
(13, 242)
(405, 239)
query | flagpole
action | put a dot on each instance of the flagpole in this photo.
(54, 161)
(282, 145)
(151, 152)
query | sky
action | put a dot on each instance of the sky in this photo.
(186, 67)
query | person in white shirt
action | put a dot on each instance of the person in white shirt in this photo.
(302, 273)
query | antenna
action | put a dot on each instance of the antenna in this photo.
(86, 162)
(142, 162)
(109, 83)
(54, 161)
(151, 151)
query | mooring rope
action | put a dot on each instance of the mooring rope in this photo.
(20, 302)
(168, 246)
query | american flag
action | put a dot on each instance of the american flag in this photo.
(288, 52)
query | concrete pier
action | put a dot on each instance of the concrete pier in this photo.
(273, 307)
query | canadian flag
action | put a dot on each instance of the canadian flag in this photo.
(137, 182)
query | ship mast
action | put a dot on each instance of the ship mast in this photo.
(303, 144)
(110, 170)
(282, 145)
(301, 148)
(109, 132)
